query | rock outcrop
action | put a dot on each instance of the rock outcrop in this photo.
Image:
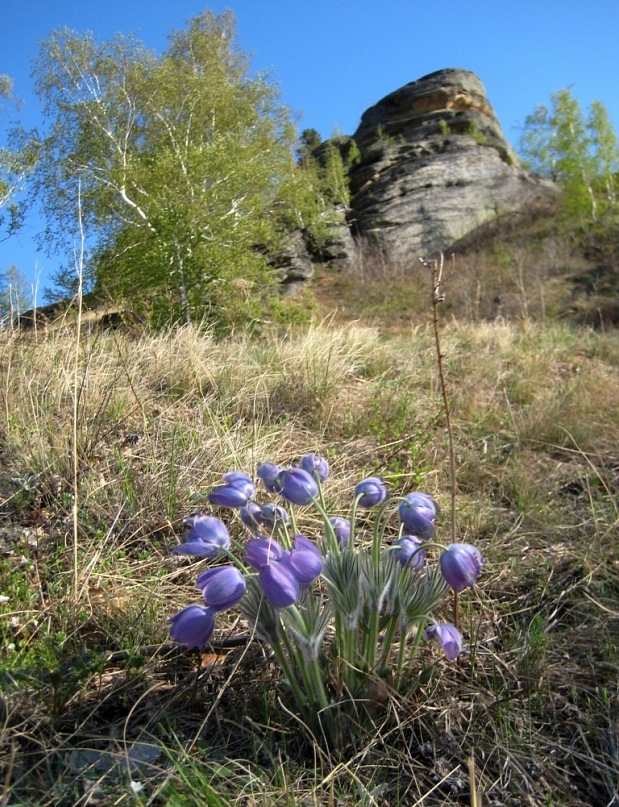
(434, 167)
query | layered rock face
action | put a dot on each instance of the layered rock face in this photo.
(434, 167)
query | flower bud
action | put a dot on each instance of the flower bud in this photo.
(449, 639)
(460, 565)
(228, 496)
(341, 528)
(371, 491)
(279, 584)
(297, 486)
(314, 464)
(305, 560)
(408, 552)
(193, 626)
(222, 587)
(240, 481)
(206, 537)
(268, 472)
(418, 513)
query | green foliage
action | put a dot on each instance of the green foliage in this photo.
(336, 177)
(581, 154)
(309, 140)
(17, 158)
(184, 165)
(478, 136)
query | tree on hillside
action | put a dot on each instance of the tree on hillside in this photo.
(581, 154)
(185, 164)
(606, 151)
(17, 158)
(15, 293)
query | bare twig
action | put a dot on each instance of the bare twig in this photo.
(80, 275)
(438, 297)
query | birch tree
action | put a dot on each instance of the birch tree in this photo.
(185, 161)
(17, 157)
(580, 153)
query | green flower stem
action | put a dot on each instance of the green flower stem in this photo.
(295, 530)
(379, 532)
(372, 645)
(315, 694)
(332, 544)
(280, 655)
(353, 518)
(283, 536)
(320, 502)
(306, 697)
(387, 640)
(235, 559)
(413, 651)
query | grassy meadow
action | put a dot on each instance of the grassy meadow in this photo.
(109, 440)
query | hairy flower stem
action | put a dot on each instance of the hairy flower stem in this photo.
(319, 504)
(371, 645)
(314, 702)
(403, 668)
(300, 698)
(387, 640)
(353, 518)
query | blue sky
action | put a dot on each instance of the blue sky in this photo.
(332, 59)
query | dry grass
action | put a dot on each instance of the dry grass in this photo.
(87, 671)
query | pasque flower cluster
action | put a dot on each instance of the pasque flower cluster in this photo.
(377, 592)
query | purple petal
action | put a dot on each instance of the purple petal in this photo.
(268, 472)
(261, 551)
(198, 549)
(371, 491)
(341, 528)
(280, 586)
(312, 463)
(241, 482)
(297, 486)
(408, 552)
(305, 560)
(460, 565)
(228, 496)
(449, 639)
(222, 587)
(193, 626)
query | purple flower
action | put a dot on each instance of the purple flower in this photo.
(297, 485)
(341, 528)
(314, 464)
(268, 472)
(418, 513)
(273, 515)
(280, 586)
(227, 496)
(408, 552)
(449, 639)
(251, 515)
(240, 481)
(305, 560)
(262, 551)
(237, 491)
(206, 537)
(371, 491)
(222, 587)
(193, 626)
(255, 516)
(460, 565)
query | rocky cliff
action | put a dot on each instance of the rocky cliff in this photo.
(434, 167)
